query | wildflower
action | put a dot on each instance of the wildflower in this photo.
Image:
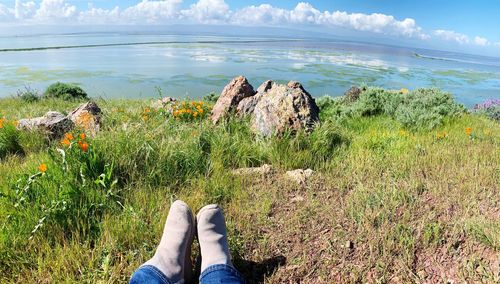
(147, 110)
(42, 168)
(145, 117)
(84, 146)
(65, 142)
(403, 133)
(201, 111)
(404, 91)
(195, 114)
(468, 131)
(82, 136)
(68, 136)
(2, 120)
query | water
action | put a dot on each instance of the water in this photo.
(193, 66)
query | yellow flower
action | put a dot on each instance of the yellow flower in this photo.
(403, 133)
(201, 111)
(42, 168)
(404, 91)
(2, 121)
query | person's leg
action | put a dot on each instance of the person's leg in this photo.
(216, 265)
(171, 262)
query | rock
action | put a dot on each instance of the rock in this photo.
(165, 103)
(284, 107)
(352, 94)
(87, 116)
(300, 176)
(247, 105)
(262, 170)
(297, 198)
(264, 87)
(53, 123)
(231, 96)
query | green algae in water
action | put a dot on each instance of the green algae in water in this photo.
(469, 76)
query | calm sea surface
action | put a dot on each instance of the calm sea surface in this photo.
(135, 66)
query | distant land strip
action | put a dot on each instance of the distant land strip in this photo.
(140, 43)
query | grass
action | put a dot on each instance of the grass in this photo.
(387, 203)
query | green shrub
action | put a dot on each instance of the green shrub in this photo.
(425, 108)
(65, 91)
(28, 95)
(9, 139)
(420, 109)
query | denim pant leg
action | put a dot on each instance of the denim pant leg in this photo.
(221, 274)
(149, 274)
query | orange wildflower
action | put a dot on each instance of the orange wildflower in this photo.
(468, 131)
(65, 142)
(68, 136)
(2, 121)
(82, 136)
(42, 168)
(195, 114)
(84, 146)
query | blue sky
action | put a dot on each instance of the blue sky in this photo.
(468, 26)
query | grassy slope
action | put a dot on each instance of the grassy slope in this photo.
(384, 206)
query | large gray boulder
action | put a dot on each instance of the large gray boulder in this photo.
(247, 105)
(231, 96)
(53, 123)
(284, 107)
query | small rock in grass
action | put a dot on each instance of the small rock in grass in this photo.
(300, 176)
(352, 94)
(164, 103)
(262, 170)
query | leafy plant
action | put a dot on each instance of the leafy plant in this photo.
(28, 95)
(65, 91)
(9, 139)
(420, 109)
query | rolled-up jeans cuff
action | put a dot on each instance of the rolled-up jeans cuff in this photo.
(218, 268)
(149, 274)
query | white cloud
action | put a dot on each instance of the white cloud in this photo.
(481, 41)
(219, 12)
(51, 10)
(258, 15)
(99, 16)
(148, 11)
(207, 12)
(305, 13)
(5, 13)
(461, 38)
(24, 10)
(452, 36)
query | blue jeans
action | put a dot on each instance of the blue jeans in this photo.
(215, 274)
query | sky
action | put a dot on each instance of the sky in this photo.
(460, 25)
